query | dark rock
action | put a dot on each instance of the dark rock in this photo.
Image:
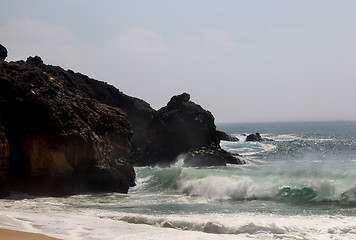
(203, 159)
(55, 140)
(226, 137)
(183, 127)
(139, 113)
(177, 128)
(210, 156)
(256, 138)
(36, 61)
(176, 101)
(3, 53)
(4, 155)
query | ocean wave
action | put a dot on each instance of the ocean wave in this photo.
(223, 188)
(110, 225)
(254, 226)
(297, 186)
(203, 224)
(220, 188)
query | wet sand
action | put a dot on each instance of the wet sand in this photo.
(17, 235)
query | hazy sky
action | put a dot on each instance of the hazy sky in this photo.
(277, 60)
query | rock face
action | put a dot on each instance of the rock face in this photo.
(256, 138)
(138, 111)
(55, 140)
(212, 155)
(226, 137)
(3, 53)
(4, 156)
(183, 127)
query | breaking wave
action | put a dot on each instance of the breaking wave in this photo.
(218, 226)
(293, 186)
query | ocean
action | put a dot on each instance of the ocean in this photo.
(302, 185)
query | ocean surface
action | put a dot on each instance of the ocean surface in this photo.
(302, 185)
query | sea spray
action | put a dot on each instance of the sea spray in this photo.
(159, 178)
(223, 188)
(294, 186)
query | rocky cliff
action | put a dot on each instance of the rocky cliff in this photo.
(139, 112)
(55, 140)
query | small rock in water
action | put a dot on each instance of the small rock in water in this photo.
(256, 138)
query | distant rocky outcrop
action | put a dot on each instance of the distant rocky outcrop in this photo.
(183, 127)
(226, 137)
(3, 53)
(256, 138)
(55, 140)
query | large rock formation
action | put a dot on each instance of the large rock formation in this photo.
(3, 53)
(54, 139)
(138, 111)
(63, 133)
(183, 127)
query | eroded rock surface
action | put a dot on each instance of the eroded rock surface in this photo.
(183, 127)
(55, 140)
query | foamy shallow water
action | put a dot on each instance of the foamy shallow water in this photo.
(103, 225)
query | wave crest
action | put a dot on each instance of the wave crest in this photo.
(224, 188)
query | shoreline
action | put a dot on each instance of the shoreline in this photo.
(20, 235)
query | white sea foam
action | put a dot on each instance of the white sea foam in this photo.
(248, 149)
(284, 137)
(268, 147)
(224, 188)
(105, 226)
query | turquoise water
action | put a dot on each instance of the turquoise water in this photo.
(309, 168)
(302, 185)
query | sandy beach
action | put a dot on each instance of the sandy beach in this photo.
(17, 235)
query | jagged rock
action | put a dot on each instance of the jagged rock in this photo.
(183, 127)
(211, 155)
(36, 61)
(176, 101)
(138, 111)
(253, 138)
(55, 140)
(3, 53)
(256, 138)
(226, 137)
